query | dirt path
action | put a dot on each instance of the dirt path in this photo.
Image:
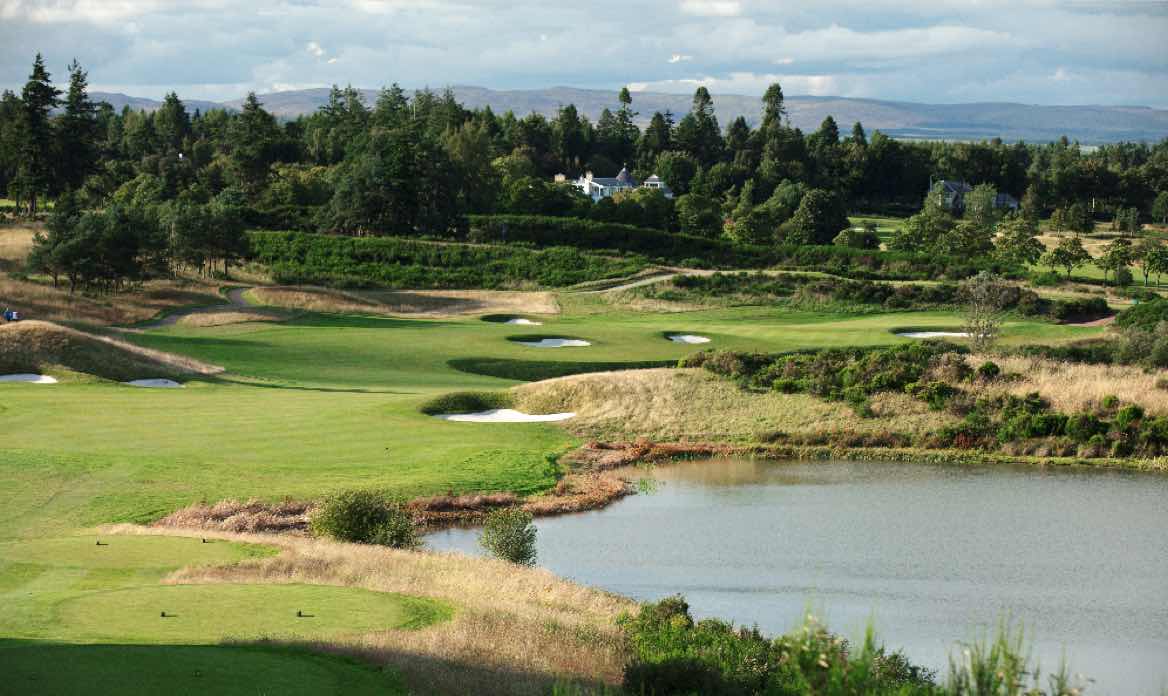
(235, 300)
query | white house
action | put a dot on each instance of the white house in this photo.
(597, 187)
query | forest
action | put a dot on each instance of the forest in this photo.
(138, 193)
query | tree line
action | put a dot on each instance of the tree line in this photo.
(418, 164)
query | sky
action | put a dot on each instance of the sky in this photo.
(1112, 52)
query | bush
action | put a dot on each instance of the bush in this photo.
(1084, 427)
(988, 371)
(509, 534)
(1145, 315)
(365, 517)
(672, 654)
(1045, 279)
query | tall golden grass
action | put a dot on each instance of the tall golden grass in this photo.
(1072, 387)
(516, 630)
(694, 405)
(35, 346)
(425, 303)
(40, 300)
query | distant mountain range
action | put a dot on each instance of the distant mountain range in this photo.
(908, 120)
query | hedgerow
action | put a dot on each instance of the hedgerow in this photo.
(298, 258)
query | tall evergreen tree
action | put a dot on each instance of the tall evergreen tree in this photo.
(172, 124)
(35, 173)
(77, 131)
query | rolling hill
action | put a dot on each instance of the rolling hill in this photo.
(1089, 124)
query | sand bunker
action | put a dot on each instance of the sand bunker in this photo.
(932, 334)
(687, 338)
(504, 415)
(556, 343)
(28, 379)
(523, 322)
(155, 383)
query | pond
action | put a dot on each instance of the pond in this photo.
(932, 554)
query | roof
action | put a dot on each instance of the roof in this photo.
(625, 178)
(955, 186)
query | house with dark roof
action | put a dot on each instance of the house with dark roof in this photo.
(598, 187)
(953, 195)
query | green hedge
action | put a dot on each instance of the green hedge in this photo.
(681, 249)
(300, 258)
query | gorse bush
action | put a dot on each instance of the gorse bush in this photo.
(509, 534)
(675, 655)
(366, 517)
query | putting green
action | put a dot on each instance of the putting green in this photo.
(158, 552)
(133, 670)
(209, 613)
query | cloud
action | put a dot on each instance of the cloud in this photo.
(711, 8)
(1038, 51)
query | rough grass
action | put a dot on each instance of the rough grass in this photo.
(40, 300)
(15, 244)
(228, 316)
(39, 346)
(423, 303)
(694, 405)
(515, 629)
(1072, 387)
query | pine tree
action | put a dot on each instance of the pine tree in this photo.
(35, 175)
(77, 132)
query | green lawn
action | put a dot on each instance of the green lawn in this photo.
(319, 403)
(146, 670)
(886, 226)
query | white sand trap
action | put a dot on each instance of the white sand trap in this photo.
(524, 322)
(687, 338)
(504, 415)
(29, 379)
(155, 383)
(556, 343)
(933, 334)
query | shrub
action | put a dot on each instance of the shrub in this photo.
(1144, 315)
(1127, 416)
(672, 654)
(365, 517)
(988, 370)
(1083, 427)
(509, 534)
(1045, 279)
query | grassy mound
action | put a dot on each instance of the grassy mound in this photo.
(535, 370)
(39, 346)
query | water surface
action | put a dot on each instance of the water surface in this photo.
(932, 554)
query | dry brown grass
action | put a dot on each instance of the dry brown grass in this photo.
(40, 300)
(15, 243)
(515, 629)
(228, 316)
(1072, 387)
(694, 405)
(418, 303)
(39, 346)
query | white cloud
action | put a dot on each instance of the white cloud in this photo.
(712, 8)
(1042, 51)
